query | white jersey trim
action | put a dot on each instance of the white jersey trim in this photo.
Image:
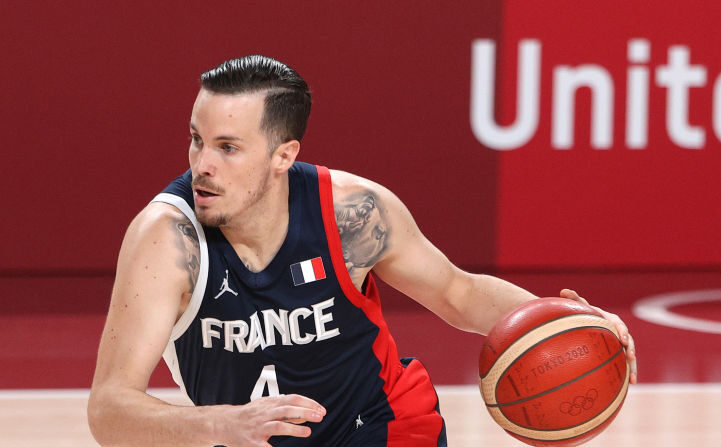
(169, 355)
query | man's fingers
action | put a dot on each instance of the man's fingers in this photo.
(568, 293)
(621, 328)
(284, 413)
(296, 400)
(295, 415)
(572, 295)
(631, 357)
(628, 342)
(279, 428)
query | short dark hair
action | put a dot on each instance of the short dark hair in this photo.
(287, 100)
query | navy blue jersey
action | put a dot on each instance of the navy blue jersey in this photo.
(298, 327)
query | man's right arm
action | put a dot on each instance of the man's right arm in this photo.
(157, 268)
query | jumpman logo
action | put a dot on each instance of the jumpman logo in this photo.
(358, 422)
(225, 287)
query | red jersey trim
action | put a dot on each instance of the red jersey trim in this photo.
(325, 188)
(384, 346)
(425, 430)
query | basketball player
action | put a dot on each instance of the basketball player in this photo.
(250, 276)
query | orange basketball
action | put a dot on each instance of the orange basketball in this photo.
(553, 372)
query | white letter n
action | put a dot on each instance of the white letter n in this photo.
(566, 81)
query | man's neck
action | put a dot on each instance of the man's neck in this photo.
(257, 234)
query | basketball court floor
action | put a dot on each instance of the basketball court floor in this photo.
(48, 353)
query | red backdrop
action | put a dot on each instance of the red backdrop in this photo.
(96, 98)
(657, 205)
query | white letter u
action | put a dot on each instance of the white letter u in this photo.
(483, 69)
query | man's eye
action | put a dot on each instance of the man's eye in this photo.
(228, 148)
(196, 139)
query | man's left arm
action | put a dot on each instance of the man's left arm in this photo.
(411, 264)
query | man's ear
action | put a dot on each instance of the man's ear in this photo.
(284, 155)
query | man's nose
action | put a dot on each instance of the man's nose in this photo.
(205, 163)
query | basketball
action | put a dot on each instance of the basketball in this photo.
(553, 372)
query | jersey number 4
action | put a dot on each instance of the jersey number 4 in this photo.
(267, 376)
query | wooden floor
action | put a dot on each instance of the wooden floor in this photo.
(653, 415)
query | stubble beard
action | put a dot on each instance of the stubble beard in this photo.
(206, 218)
(212, 221)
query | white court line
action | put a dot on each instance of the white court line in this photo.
(66, 393)
(447, 390)
(641, 388)
(657, 309)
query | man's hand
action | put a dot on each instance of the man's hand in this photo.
(621, 327)
(253, 424)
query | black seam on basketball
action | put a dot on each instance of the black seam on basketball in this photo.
(495, 391)
(558, 387)
(532, 329)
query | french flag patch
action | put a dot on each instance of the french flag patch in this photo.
(307, 271)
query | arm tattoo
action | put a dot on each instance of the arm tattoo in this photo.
(363, 231)
(189, 250)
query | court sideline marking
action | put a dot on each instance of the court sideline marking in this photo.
(167, 393)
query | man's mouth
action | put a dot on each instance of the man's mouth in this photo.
(205, 193)
(204, 197)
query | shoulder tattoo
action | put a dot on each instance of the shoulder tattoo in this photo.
(188, 257)
(363, 228)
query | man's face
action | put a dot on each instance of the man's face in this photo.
(229, 155)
